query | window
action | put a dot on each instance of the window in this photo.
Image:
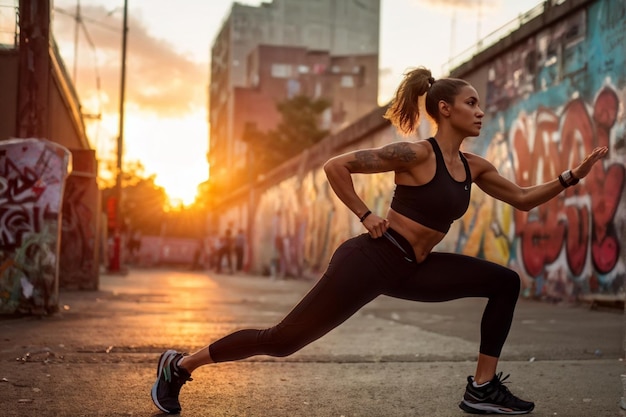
(281, 70)
(347, 81)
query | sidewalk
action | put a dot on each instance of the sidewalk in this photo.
(394, 358)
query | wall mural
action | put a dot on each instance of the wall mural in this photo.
(299, 222)
(570, 245)
(567, 247)
(549, 102)
(78, 263)
(32, 176)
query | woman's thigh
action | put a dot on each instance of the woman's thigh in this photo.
(449, 276)
(361, 269)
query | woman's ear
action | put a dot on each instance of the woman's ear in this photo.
(444, 108)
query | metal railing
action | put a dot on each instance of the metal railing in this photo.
(493, 37)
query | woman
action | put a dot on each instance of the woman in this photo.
(433, 181)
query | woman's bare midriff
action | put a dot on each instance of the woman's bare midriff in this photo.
(423, 239)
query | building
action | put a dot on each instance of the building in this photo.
(47, 245)
(268, 53)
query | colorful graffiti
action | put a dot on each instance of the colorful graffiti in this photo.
(553, 98)
(32, 176)
(78, 264)
(299, 222)
(564, 248)
(81, 225)
(603, 187)
(549, 102)
(569, 245)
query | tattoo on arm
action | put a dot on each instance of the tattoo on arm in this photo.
(398, 151)
(364, 160)
(373, 159)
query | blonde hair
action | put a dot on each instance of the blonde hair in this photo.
(404, 109)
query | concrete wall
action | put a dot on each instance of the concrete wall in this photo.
(539, 123)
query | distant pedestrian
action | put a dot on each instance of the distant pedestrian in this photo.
(198, 256)
(239, 247)
(225, 252)
(433, 181)
(134, 246)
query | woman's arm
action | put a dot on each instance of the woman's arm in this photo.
(526, 198)
(398, 156)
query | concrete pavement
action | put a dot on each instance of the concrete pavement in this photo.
(394, 358)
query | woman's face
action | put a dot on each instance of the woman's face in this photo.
(465, 114)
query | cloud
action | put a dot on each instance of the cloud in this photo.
(461, 4)
(159, 78)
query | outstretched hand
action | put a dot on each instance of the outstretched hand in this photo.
(585, 166)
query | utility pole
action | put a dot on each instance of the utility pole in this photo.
(34, 69)
(116, 259)
(479, 41)
(76, 29)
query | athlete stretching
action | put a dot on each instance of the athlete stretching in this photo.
(395, 257)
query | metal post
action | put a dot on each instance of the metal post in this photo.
(116, 259)
(34, 69)
(76, 29)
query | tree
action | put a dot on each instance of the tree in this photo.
(143, 202)
(146, 208)
(298, 130)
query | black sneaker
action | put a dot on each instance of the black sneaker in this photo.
(493, 398)
(170, 378)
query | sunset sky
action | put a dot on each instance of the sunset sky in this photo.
(167, 71)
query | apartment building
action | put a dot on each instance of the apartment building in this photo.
(265, 54)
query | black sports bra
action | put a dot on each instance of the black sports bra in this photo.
(439, 202)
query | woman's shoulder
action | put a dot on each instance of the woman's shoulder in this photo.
(477, 163)
(422, 147)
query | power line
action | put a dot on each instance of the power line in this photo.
(82, 27)
(87, 19)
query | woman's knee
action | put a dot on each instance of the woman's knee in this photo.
(511, 283)
(283, 349)
(281, 341)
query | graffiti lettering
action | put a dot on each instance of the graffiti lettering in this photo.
(566, 220)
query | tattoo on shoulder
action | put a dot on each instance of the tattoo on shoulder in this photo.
(372, 159)
(399, 151)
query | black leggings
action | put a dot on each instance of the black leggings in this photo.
(361, 269)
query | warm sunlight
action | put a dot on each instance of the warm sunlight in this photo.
(172, 148)
(167, 72)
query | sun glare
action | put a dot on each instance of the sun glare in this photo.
(172, 149)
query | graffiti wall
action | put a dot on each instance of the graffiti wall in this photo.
(299, 222)
(78, 263)
(548, 103)
(32, 178)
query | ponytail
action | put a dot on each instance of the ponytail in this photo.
(404, 112)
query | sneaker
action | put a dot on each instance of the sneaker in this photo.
(170, 379)
(493, 398)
